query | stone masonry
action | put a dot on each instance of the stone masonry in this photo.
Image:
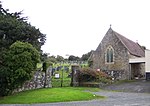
(37, 81)
(120, 55)
(119, 68)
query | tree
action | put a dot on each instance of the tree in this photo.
(59, 58)
(86, 56)
(17, 59)
(18, 65)
(52, 59)
(14, 27)
(44, 57)
(73, 58)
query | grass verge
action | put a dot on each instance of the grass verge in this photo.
(49, 95)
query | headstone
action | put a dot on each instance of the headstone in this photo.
(57, 76)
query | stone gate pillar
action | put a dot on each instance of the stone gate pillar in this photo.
(75, 75)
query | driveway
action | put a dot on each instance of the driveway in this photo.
(131, 98)
(139, 86)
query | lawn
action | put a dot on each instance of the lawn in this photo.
(49, 95)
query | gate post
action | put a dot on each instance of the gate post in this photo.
(75, 75)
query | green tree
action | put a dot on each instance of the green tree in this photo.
(73, 58)
(52, 59)
(44, 57)
(18, 65)
(86, 56)
(59, 58)
(14, 27)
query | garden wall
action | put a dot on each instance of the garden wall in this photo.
(38, 81)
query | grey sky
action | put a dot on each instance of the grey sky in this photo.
(75, 27)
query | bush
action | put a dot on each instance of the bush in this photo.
(19, 62)
(90, 75)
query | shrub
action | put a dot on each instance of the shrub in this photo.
(19, 62)
(88, 74)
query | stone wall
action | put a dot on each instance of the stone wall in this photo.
(115, 74)
(94, 58)
(121, 58)
(38, 81)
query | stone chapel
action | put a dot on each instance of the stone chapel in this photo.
(114, 56)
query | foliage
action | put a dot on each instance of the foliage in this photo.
(17, 66)
(88, 74)
(44, 57)
(51, 95)
(59, 58)
(86, 56)
(73, 58)
(52, 59)
(17, 60)
(39, 65)
(14, 28)
(143, 47)
(90, 63)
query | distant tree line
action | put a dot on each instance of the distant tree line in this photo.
(58, 58)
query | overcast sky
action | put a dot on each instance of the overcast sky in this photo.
(76, 27)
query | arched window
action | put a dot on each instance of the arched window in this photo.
(109, 57)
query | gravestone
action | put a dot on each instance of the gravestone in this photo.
(57, 76)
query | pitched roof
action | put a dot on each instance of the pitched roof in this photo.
(133, 48)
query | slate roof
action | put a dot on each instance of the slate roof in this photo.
(133, 48)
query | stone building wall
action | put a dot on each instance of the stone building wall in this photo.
(142, 69)
(121, 58)
(37, 81)
(95, 59)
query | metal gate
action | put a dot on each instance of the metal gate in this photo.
(61, 76)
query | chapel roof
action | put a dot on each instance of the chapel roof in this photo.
(133, 48)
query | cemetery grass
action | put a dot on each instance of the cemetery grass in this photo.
(65, 80)
(49, 95)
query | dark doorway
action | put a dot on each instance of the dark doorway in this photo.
(137, 70)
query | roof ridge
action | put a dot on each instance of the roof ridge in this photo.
(123, 36)
(121, 39)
